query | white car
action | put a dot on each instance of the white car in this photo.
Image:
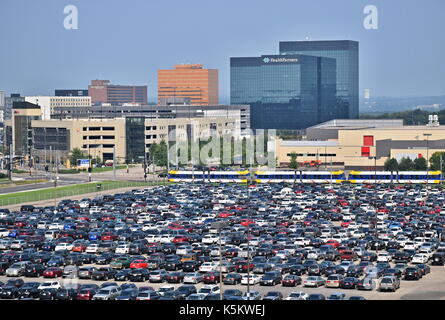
(384, 257)
(251, 279)
(207, 267)
(4, 232)
(92, 248)
(123, 248)
(209, 289)
(49, 285)
(64, 246)
(297, 295)
(420, 258)
(409, 245)
(166, 238)
(210, 239)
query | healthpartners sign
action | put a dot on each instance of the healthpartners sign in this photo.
(279, 60)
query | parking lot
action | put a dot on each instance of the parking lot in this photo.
(336, 235)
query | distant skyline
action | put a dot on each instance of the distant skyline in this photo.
(128, 41)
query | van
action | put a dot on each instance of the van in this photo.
(389, 283)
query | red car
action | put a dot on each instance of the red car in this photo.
(86, 294)
(242, 266)
(211, 277)
(181, 239)
(226, 214)
(79, 247)
(52, 272)
(138, 264)
(348, 255)
(246, 222)
(333, 243)
(106, 236)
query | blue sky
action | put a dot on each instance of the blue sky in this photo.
(127, 41)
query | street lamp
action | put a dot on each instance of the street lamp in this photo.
(427, 135)
(218, 225)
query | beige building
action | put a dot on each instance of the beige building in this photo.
(362, 144)
(48, 103)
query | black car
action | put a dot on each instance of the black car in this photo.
(298, 270)
(48, 294)
(29, 290)
(173, 265)
(349, 283)
(232, 279)
(34, 270)
(16, 282)
(393, 272)
(190, 266)
(271, 278)
(175, 277)
(103, 273)
(138, 275)
(9, 292)
(122, 275)
(438, 259)
(186, 290)
(413, 273)
(229, 293)
(66, 294)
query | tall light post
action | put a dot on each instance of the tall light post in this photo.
(218, 226)
(427, 135)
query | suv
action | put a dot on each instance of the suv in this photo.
(389, 283)
(107, 293)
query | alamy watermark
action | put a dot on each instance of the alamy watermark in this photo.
(71, 21)
(212, 148)
(371, 21)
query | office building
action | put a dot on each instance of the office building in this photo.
(48, 103)
(71, 92)
(346, 54)
(239, 112)
(102, 91)
(285, 92)
(123, 134)
(189, 81)
(9, 102)
(353, 144)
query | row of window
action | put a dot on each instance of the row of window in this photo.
(98, 137)
(98, 128)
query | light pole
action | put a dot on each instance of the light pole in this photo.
(427, 135)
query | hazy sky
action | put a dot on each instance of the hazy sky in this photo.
(127, 41)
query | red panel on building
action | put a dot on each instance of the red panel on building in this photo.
(366, 151)
(368, 141)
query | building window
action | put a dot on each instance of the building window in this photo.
(366, 151)
(368, 141)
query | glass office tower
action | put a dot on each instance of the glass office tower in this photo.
(346, 53)
(285, 92)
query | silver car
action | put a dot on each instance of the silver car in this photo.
(16, 269)
(193, 277)
(107, 293)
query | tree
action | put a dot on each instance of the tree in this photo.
(159, 153)
(75, 155)
(391, 164)
(406, 164)
(293, 161)
(420, 164)
(437, 161)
